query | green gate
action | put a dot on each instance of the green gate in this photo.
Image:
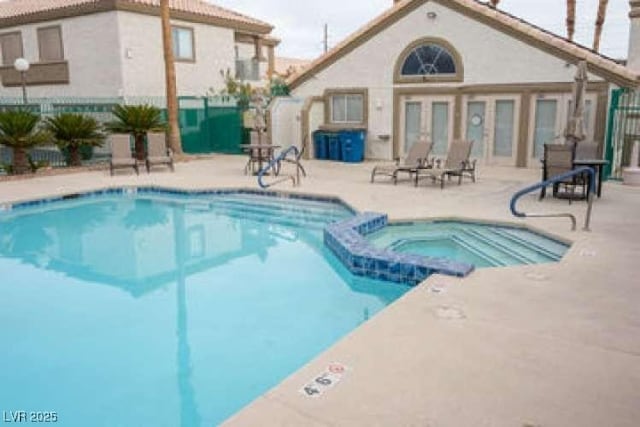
(623, 128)
(210, 125)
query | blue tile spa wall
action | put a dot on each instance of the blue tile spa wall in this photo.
(346, 240)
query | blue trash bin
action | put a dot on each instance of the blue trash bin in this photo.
(352, 143)
(321, 145)
(335, 151)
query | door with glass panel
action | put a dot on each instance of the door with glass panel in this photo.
(430, 117)
(550, 114)
(491, 122)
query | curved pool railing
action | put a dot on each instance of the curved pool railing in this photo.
(274, 166)
(556, 179)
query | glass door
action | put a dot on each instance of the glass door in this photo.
(429, 117)
(550, 114)
(491, 122)
(476, 127)
(504, 131)
(412, 124)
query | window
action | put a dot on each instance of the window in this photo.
(183, 44)
(50, 44)
(347, 108)
(428, 59)
(10, 47)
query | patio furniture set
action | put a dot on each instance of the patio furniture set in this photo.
(122, 155)
(562, 158)
(419, 165)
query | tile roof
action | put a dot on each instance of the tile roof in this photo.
(24, 8)
(598, 63)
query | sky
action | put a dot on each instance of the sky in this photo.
(299, 23)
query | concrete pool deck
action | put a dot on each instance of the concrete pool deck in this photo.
(544, 345)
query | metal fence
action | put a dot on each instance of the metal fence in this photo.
(207, 124)
(623, 129)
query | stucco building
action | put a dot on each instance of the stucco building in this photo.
(113, 48)
(448, 69)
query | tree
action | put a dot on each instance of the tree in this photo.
(137, 120)
(571, 18)
(19, 131)
(602, 12)
(74, 131)
(170, 77)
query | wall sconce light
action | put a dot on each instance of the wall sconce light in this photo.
(378, 104)
(432, 15)
(128, 53)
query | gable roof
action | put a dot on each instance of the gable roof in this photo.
(497, 19)
(19, 12)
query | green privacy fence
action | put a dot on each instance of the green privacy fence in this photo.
(210, 125)
(207, 124)
(623, 128)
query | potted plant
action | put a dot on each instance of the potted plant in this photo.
(19, 131)
(73, 133)
(137, 120)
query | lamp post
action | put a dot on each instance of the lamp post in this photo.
(22, 66)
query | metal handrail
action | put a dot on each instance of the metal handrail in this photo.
(556, 179)
(276, 161)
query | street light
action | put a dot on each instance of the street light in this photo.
(22, 66)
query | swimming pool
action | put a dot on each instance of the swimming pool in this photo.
(168, 309)
(482, 245)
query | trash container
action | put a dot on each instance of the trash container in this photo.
(333, 140)
(321, 148)
(352, 145)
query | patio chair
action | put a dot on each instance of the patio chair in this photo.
(558, 159)
(457, 164)
(157, 151)
(587, 150)
(417, 158)
(121, 156)
(303, 148)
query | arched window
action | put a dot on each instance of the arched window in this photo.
(428, 60)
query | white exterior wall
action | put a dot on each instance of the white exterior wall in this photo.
(489, 57)
(141, 39)
(91, 49)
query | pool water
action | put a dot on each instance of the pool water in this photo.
(168, 310)
(482, 245)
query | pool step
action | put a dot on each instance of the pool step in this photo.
(287, 203)
(551, 248)
(327, 215)
(522, 253)
(528, 252)
(489, 249)
(270, 219)
(300, 215)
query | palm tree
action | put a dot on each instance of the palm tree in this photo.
(72, 132)
(602, 12)
(19, 131)
(170, 76)
(137, 120)
(571, 18)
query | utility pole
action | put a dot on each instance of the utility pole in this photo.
(326, 38)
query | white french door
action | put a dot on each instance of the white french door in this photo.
(492, 123)
(549, 116)
(429, 117)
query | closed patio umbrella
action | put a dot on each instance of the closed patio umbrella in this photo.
(575, 130)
